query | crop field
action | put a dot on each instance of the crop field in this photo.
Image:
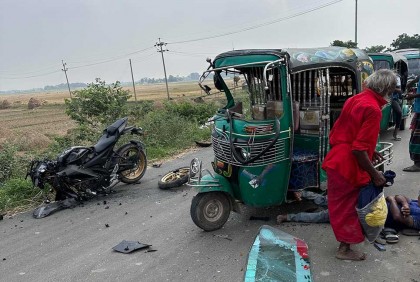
(34, 129)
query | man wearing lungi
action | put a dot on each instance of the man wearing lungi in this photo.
(349, 163)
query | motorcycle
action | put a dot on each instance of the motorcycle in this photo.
(80, 173)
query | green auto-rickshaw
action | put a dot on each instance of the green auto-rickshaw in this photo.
(398, 63)
(413, 58)
(275, 141)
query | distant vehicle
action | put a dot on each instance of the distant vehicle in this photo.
(413, 57)
(399, 63)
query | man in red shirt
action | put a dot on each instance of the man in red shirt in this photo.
(349, 162)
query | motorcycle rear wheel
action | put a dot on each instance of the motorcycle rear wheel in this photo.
(132, 175)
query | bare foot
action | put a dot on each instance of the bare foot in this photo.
(281, 218)
(345, 253)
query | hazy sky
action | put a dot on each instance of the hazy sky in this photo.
(96, 38)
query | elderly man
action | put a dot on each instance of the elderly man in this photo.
(349, 162)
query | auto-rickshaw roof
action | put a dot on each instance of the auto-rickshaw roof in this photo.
(299, 58)
(398, 57)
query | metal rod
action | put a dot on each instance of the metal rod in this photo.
(355, 26)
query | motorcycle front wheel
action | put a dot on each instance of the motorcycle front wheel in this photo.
(127, 153)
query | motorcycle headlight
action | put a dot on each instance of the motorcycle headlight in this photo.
(195, 167)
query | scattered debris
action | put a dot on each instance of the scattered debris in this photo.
(156, 165)
(223, 236)
(129, 246)
(46, 210)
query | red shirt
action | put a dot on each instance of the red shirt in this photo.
(357, 128)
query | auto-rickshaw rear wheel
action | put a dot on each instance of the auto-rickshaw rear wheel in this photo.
(210, 210)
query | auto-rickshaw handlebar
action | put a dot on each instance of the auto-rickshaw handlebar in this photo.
(265, 72)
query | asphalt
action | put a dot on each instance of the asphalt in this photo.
(76, 244)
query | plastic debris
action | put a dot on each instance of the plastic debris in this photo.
(129, 246)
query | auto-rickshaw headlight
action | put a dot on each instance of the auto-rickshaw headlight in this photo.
(195, 167)
(245, 154)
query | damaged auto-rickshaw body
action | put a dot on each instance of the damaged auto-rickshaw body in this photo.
(277, 143)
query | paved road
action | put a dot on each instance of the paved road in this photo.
(75, 245)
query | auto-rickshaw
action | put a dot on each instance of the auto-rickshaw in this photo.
(398, 63)
(413, 57)
(277, 144)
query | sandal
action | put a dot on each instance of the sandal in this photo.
(413, 168)
(390, 235)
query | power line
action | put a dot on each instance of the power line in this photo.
(189, 54)
(259, 25)
(21, 77)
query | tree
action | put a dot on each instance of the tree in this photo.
(375, 49)
(404, 41)
(348, 44)
(98, 104)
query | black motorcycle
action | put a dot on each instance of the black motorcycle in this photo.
(82, 172)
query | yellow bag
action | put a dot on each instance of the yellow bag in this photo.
(378, 214)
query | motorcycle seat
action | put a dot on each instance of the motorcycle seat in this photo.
(105, 141)
(110, 135)
(113, 128)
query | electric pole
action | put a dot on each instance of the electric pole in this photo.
(355, 27)
(64, 69)
(159, 45)
(132, 77)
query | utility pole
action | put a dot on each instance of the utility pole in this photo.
(355, 27)
(64, 69)
(159, 45)
(132, 77)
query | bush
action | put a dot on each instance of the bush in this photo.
(197, 112)
(98, 104)
(141, 108)
(7, 161)
(168, 133)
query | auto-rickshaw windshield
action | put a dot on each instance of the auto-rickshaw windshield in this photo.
(258, 74)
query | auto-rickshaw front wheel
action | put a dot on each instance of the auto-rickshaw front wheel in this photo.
(210, 210)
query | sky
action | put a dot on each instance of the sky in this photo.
(96, 38)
